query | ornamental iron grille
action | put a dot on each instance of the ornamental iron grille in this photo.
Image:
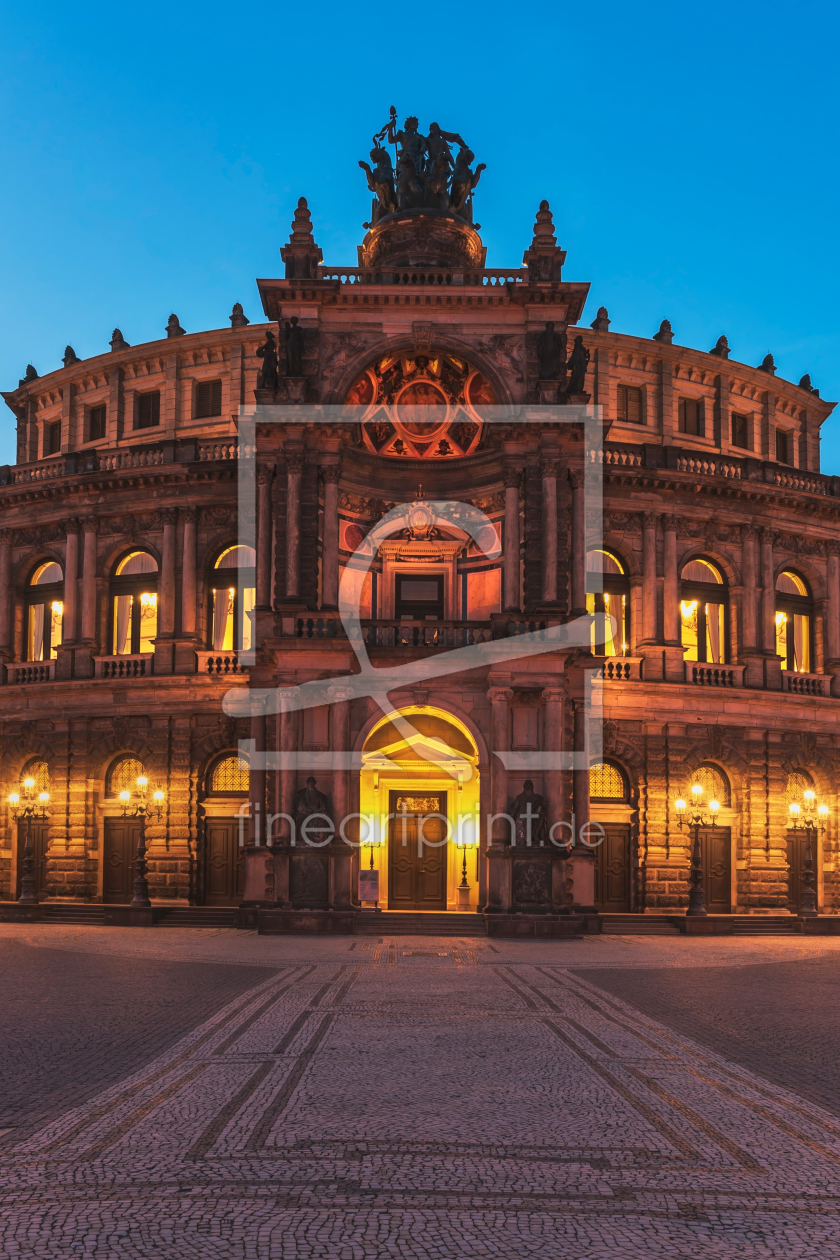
(714, 783)
(230, 775)
(606, 783)
(123, 776)
(798, 783)
(40, 772)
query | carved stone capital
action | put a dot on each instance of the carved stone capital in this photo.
(189, 515)
(499, 695)
(670, 524)
(6, 537)
(512, 477)
(548, 466)
(650, 520)
(166, 516)
(264, 474)
(71, 525)
(553, 695)
(330, 473)
(749, 533)
(576, 479)
(832, 548)
(294, 463)
(768, 536)
(90, 524)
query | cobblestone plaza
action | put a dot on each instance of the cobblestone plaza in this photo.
(218, 1094)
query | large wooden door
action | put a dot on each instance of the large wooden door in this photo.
(224, 879)
(120, 851)
(40, 844)
(796, 842)
(417, 852)
(612, 870)
(716, 853)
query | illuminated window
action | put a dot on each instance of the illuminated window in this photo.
(39, 771)
(703, 612)
(794, 622)
(714, 783)
(233, 599)
(608, 593)
(134, 605)
(798, 783)
(606, 783)
(45, 612)
(123, 775)
(230, 776)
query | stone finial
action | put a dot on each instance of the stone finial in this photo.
(767, 364)
(805, 383)
(173, 327)
(544, 259)
(721, 348)
(301, 255)
(238, 318)
(665, 333)
(70, 357)
(118, 341)
(29, 375)
(601, 322)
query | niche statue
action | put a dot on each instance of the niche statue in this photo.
(529, 815)
(294, 347)
(267, 378)
(551, 352)
(578, 363)
(308, 802)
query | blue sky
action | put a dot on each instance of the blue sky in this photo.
(154, 154)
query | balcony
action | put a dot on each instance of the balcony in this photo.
(619, 669)
(426, 634)
(222, 664)
(806, 684)
(120, 667)
(30, 672)
(703, 675)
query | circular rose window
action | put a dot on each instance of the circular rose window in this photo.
(419, 406)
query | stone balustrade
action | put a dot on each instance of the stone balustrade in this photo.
(619, 669)
(806, 684)
(121, 667)
(704, 674)
(428, 634)
(218, 664)
(30, 672)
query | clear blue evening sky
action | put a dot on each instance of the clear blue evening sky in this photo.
(154, 153)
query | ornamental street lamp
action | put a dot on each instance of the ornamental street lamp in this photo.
(29, 810)
(694, 817)
(813, 818)
(142, 810)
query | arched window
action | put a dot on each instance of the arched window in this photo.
(229, 776)
(122, 775)
(608, 591)
(798, 783)
(714, 783)
(45, 611)
(134, 604)
(794, 622)
(703, 612)
(606, 782)
(234, 596)
(39, 771)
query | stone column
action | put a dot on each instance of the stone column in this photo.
(649, 522)
(750, 580)
(166, 612)
(265, 474)
(71, 580)
(188, 575)
(256, 793)
(498, 840)
(578, 558)
(340, 853)
(553, 744)
(773, 664)
(512, 560)
(90, 527)
(294, 469)
(582, 863)
(832, 629)
(548, 468)
(672, 586)
(6, 595)
(329, 542)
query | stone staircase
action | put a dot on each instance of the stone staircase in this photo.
(637, 925)
(765, 924)
(83, 915)
(419, 923)
(195, 916)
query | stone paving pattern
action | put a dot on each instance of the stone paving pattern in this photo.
(422, 1097)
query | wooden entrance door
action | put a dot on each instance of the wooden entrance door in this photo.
(224, 878)
(796, 842)
(716, 854)
(120, 851)
(417, 852)
(612, 870)
(40, 844)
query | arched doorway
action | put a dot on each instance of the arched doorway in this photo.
(224, 853)
(420, 791)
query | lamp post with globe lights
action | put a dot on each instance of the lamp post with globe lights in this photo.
(141, 811)
(812, 818)
(31, 812)
(694, 817)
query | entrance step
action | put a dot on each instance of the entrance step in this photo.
(637, 925)
(89, 915)
(195, 916)
(765, 924)
(420, 923)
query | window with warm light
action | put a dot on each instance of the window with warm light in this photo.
(608, 591)
(122, 776)
(606, 782)
(703, 612)
(134, 604)
(713, 785)
(794, 622)
(38, 772)
(233, 599)
(45, 612)
(229, 776)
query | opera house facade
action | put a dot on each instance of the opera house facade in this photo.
(144, 600)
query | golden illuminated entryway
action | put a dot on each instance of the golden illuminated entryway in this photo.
(421, 788)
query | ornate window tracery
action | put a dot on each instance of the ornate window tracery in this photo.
(606, 782)
(123, 775)
(421, 406)
(230, 775)
(714, 783)
(38, 770)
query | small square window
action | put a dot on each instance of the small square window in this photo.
(208, 399)
(148, 410)
(97, 417)
(741, 432)
(782, 447)
(630, 404)
(691, 416)
(52, 438)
